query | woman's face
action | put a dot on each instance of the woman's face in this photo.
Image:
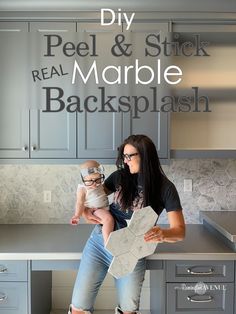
(131, 158)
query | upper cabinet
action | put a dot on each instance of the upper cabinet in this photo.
(100, 124)
(207, 132)
(14, 115)
(63, 112)
(125, 107)
(52, 134)
(71, 88)
(147, 87)
(25, 130)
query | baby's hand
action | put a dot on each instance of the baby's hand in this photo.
(74, 220)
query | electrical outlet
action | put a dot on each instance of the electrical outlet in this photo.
(47, 196)
(188, 185)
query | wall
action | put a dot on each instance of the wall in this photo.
(21, 201)
(22, 186)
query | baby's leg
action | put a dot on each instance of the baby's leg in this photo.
(106, 220)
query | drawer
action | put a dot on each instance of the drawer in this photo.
(189, 298)
(13, 271)
(187, 271)
(13, 297)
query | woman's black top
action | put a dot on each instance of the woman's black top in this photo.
(169, 197)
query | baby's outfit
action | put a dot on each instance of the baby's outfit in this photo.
(95, 198)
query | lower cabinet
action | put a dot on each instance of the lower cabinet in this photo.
(191, 287)
(23, 291)
(200, 298)
(13, 287)
(199, 287)
(13, 298)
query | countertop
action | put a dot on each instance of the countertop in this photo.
(65, 242)
(222, 221)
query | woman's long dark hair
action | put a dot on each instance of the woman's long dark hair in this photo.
(150, 174)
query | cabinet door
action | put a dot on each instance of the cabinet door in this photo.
(52, 134)
(14, 116)
(99, 133)
(13, 298)
(201, 134)
(235, 291)
(151, 122)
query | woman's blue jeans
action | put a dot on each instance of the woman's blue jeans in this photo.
(92, 271)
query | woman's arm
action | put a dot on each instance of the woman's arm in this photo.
(175, 232)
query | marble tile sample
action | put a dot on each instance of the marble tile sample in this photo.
(142, 220)
(122, 265)
(141, 248)
(127, 245)
(120, 241)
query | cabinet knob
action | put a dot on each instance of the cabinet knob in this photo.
(33, 148)
(3, 296)
(3, 269)
(25, 148)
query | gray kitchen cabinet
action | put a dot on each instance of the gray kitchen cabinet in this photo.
(25, 130)
(100, 133)
(93, 133)
(14, 114)
(199, 287)
(195, 134)
(52, 134)
(235, 290)
(21, 290)
(13, 287)
(153, 121)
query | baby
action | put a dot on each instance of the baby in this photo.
(91, 194)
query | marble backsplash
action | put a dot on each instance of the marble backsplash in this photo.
(22, 188)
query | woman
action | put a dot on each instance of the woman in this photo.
(138, 182)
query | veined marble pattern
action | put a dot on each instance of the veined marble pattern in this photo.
(124, 237)
(22, 186)
(122, 265)
(131, 245)
(141, 248)
(140, 223)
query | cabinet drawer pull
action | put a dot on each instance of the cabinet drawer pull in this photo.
(3, 269)
(193, 299)
(200, 273)
(33, 148)
(3, 297)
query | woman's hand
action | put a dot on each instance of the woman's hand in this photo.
(155, 234)
(90, 217)
(175, 232)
